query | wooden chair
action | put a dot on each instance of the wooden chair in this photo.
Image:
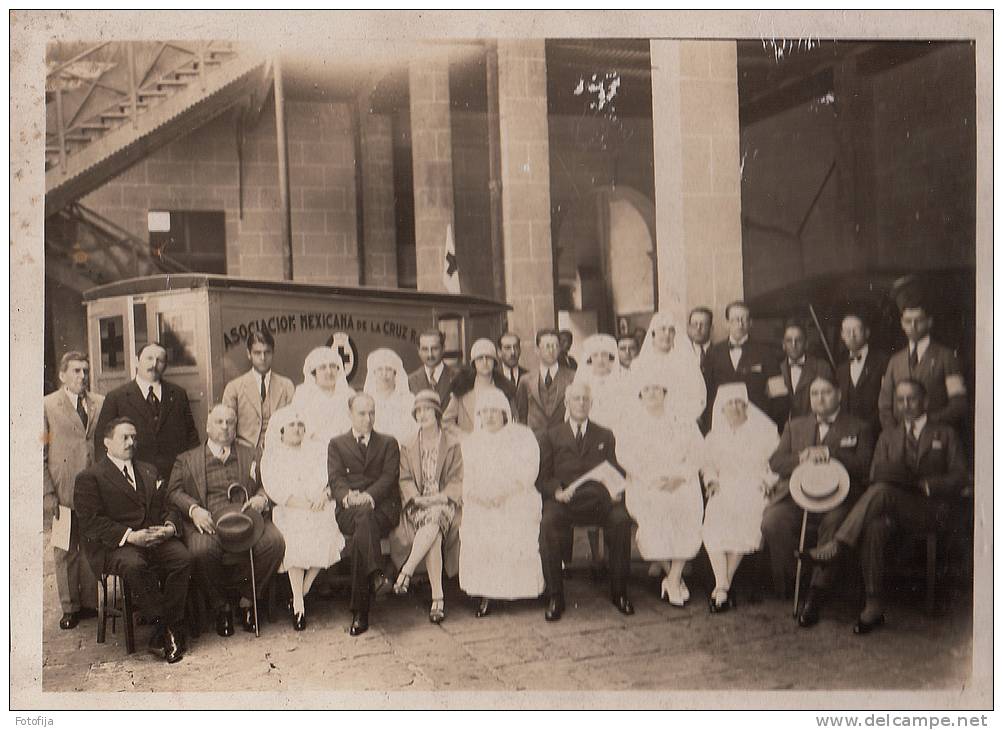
(113, 612)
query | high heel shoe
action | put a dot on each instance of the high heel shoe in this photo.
(483, 609)
(720, 600)
(437, 612)
(672, 594)
(403, 584)
(299, 621)
(684, 592)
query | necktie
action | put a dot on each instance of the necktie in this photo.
(857, 358)
(80, 410)
(548, 381)
(224, 455)
(580, 437)
(432, 381)
(154, 402)
(128, 476)
(362, 445)
(511, 375)
(821, 430)
(913, 357)
(734, 345)
(262, 389)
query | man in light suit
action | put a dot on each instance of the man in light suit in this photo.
(509, 352)
(198, 489)
(71, 416)
(160, 410)
(859, 377)
(799, 370)
(932, 364)
(740, 360)
(129, 528)
(363, 469)
(433, 374)
(915, 465)
(828, 433)
(539, 399)
(567, 451)
(258, 393)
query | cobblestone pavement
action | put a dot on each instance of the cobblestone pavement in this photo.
(756, 647)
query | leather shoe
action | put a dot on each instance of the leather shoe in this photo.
(173, 651)
(865, 627)
(623, 605)
(360, 623)
(381, 585)
(247, 618)
(483, 609)
(224, 622)
(69, 620)
(809, 613)
(156, 645)
(555, 608)
(299, 621)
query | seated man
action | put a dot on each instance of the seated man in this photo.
(363, 469)
(130, 529)
(914, 464)
(567, 452)
(828, 433)
(199, 484)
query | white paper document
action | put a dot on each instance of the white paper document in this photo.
(61, 528)
(605, 474)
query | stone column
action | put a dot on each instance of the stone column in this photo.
(432, 155)
(380, 244)
(694, 88)
(525, 183)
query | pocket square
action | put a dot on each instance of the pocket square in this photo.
(757, 368)
(602, 446)
(160, 482)
(848, 442)
(936, 444)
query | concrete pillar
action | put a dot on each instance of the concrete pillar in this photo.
(525, 184)
(380, 245)
(432, 155)
(694, 88)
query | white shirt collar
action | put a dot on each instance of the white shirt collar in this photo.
(258, 376)
(828, 421)
(921, 347)
(144, 387)
(435, 373)
(917, 426)
(119, 464)
(365, 439)
(73, 398)
(552, 370)
(740, 342)
(218, 449)
(862, 353)
(797, 363)
(698, 347)
(575, 426)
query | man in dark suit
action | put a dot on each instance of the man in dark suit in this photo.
(699, 326)
(71, 415)
(567, 452)
(539, 399)
(829, 433)
(739, 359)
(198, 489)
(130, 529)
(363, 470)
(915, 465)
(160, 410)
(799, 370)
(567, 339)
(434, 374)
(932, 364)
(859, 378)
(509, 351)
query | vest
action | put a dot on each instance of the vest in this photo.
(218, 477)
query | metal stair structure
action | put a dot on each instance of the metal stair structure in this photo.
(110, 104)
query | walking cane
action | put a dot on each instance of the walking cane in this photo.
(254, 589)
(797, 575)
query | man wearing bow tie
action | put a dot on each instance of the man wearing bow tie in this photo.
(740, 360)
(71, 415)
(859, 377)
(129, 528)
(510, 350)
(160, 410)
(929, 362)
(915, 464)
(827, 433)
(799, 370)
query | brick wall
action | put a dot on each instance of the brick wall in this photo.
(472, 214)
(199, 172)
(380, 229)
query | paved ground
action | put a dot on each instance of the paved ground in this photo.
(593, 647)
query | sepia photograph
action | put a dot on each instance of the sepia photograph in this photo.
(497, 359)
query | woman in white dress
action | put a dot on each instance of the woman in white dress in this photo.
(662, 455)
(386, 381)
(688, 397)
(322, 397)
(500, 531)
(482, 374)
(606, 379)
(294, 475)
(741, 440)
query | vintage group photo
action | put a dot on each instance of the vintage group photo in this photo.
(492, 364)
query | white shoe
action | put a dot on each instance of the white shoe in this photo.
(683, 590)
(672, 594)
